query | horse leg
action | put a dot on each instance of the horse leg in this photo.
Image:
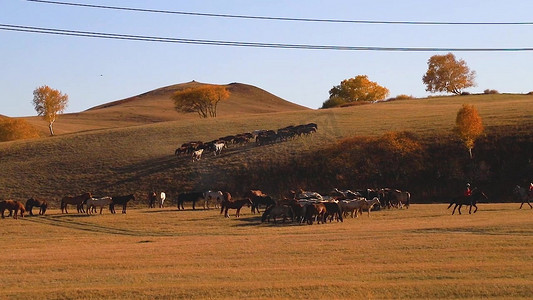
(475, 207)
(453, 211)
(226, 213)
(238, 213)
(124, 207)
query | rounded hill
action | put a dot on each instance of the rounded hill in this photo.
(157, 106)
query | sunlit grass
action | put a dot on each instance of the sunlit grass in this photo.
(423, 252)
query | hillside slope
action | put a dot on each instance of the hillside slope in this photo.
(157, 106)
(141, 158)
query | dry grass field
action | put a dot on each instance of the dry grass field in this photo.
(419, 253)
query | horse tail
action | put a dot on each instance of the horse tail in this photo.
(451, 203)
(408, 202)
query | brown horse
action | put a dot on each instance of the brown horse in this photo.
(12, 206)
(32, 202)
(151, 199)
(76, 200)
(315, 210)
(237, 204)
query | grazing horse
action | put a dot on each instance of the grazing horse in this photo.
(523, 195)
(237, 204)
(76, 200)
(333, 210)
(257, 197)
(301, 194)
(399, 198)
(352, 207)
(477, 195)
(161, 198)
(93, 203)
(189, 197)
(265, 200)
(31, 203)
(278, 211)
(12, 206)
(213, 195)
(368, 204)
(151, 199)
(315, 210)
(121, 200)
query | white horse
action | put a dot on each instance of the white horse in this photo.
(368, 204)
(301, 194)
(93, 203)
(218, 148)
(161, 198)
(523, 195)
(352, 206)
(213, 195)
(196, 155)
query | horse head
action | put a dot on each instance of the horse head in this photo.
(29, 204)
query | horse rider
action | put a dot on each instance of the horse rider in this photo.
(468, 190)
(531, 190)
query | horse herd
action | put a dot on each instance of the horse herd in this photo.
(300, 206)
(262, 137)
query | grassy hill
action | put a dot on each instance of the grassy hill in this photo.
(132, 156)
(156, 106)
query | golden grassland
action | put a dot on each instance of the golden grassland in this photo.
(422, 252)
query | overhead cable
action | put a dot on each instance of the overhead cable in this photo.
(274, 18)
(91, 34)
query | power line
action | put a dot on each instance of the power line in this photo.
(91, 34)
(275, 18)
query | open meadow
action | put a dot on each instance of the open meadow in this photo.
(422, 252)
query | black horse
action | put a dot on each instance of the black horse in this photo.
(472, 200)
(123, 200)
(32, 202)
(189, 197)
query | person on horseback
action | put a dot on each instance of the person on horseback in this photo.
(468, 191)
(531, 190)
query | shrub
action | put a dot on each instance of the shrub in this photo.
(530, 93)
(402, 97)
(333, 102)
(16, 129)
(465, 93)
(488, 91)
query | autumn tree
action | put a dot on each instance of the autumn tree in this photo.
(468, 125)
(355, 89)
(446, 74)
(49, 103)
(16, 129)
(203, 100)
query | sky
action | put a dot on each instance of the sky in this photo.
(93, 71)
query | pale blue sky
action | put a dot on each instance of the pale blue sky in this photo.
(94, 71)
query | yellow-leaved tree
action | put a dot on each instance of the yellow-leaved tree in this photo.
(469, 126)
(446, 74)
(49, 103)
(351, 90)
(203, 100)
